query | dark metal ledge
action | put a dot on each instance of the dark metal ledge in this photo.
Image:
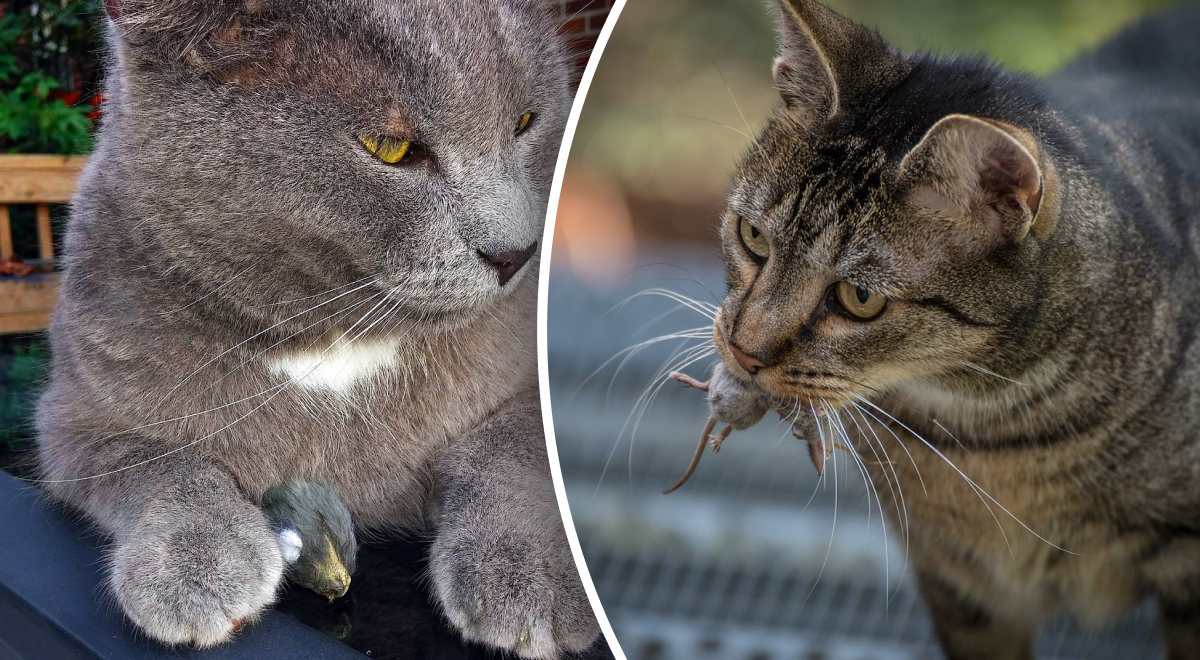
(54, 604)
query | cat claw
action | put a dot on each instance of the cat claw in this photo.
(690, 382)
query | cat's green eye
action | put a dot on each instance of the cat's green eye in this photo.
(523, 122)
(390, 150)
(754, 240)
(861, 302)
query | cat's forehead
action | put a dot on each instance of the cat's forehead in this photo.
(475, 49)
(424, 62)
(795, 181)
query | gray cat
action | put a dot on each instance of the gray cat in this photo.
(304, 250)
(987, 286)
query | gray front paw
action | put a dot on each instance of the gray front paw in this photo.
(519, 592)
(195, 576)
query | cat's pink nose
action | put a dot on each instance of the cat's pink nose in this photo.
(748, 362)
(509, 263)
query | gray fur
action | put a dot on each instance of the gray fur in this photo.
(735, 404)
(1037, 248)
(213, 259)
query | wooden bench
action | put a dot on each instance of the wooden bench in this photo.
(26, 302)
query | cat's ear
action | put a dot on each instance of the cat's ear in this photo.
(827, 62)
(980, 171)
(191, 30)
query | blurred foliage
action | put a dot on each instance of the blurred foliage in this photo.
(47, 65)
(24, 365)
(661, 116)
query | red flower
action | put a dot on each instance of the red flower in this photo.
(95, 102)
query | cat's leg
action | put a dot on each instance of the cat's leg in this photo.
(1174, 574)
(500, 565)
(192, 559)
(968, 629)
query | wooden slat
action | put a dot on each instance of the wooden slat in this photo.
(6, 244)
(24, 322)
(26, 304)
(45, 236)
(26, 179)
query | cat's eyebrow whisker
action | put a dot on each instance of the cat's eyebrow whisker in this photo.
(718, 123)
(733, 98)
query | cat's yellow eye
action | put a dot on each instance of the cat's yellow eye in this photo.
(861, 302)
(754, 240)
(523, 122)
(390, 150)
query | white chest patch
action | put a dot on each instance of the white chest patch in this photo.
(339, 367)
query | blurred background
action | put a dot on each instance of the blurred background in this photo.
(753, 558)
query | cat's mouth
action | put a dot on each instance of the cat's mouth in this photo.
(794, 388)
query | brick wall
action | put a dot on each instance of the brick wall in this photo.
(582, 21)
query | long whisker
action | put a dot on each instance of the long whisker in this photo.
(978, 490)
(277, 390)
(251, 338)
(991, 373)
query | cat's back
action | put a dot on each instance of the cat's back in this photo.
(1150, 69)
(1160, 50)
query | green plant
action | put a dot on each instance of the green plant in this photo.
(21, 376)
(43, 45)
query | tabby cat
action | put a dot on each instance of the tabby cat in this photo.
(991, 286)
(303, 250)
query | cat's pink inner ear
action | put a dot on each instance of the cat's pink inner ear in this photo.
(980, 171)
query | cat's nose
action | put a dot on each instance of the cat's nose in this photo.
(508, 263)
(748, 362)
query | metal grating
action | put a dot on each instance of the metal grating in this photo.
(754, 558)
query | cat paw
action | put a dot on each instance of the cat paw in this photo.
(520, 594)
(193, 577)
